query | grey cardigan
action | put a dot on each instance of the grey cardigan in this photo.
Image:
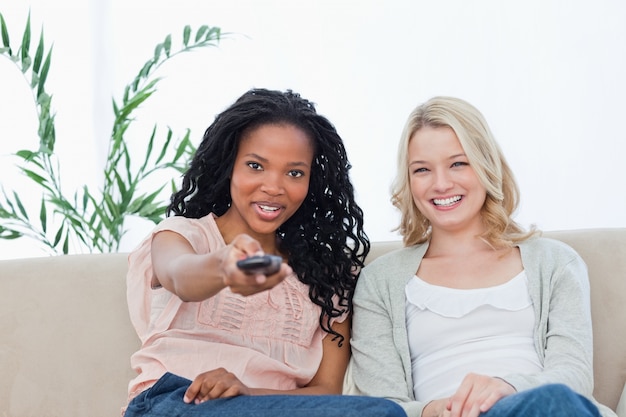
(559, 289)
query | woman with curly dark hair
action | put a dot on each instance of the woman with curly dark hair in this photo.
(271, 177)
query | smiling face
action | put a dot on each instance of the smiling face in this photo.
(269, 182)
(444, 186)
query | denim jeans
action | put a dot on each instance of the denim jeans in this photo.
(165, 399)
(553, 400)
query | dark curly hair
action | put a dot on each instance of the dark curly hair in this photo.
(324, 239)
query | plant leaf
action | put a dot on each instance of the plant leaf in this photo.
(165, 145)
(203, 29)
(182, 147)
(20, 206)
(134, 102)
(38, 55)
(186, 35)
(66, 244)
(146, 159)
(214, 34)
(6, 233)
(42, 215)
(145, 71)
(157, 52)
(113, 209)
(26, 46)
(35, 177)
(27, 155)
(5, 35)
(43, 75)
(85, 197)
(167, 45)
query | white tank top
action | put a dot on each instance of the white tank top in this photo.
(453, 332)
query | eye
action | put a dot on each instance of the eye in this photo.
(420, 170)
(254, 165)
(460, 164)
(295, 173)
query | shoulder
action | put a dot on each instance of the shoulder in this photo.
(546, 260)
(392, 269)
(180, 222)
(543, 247)
(202, 233)
(397, 258)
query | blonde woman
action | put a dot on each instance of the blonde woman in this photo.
(475, 316)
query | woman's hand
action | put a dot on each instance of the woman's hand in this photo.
(477, 394)
(436, 408)
(243, 283)
(218, 383)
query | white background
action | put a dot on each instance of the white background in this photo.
(549, 76)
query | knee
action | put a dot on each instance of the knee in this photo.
(560, 396)
(555, 393)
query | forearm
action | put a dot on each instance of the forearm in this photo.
(193, 277)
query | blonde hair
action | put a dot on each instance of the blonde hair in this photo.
(484, 156)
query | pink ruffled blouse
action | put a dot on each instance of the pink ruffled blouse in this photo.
(272, 339)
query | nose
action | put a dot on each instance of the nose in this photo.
(273, 184)
(442, 181)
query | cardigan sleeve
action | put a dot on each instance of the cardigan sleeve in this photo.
(562, 304)
(379, 339)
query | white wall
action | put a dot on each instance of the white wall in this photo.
(548, 75)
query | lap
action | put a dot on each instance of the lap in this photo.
(554, 400)
(165, 398)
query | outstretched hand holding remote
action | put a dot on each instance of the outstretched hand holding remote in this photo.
(260, 264)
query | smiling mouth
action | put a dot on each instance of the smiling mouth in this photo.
(269, 209)
(443, 202)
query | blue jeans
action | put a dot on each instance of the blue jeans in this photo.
(165, 399)
(553, 400)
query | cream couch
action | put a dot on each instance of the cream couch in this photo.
(65, 336)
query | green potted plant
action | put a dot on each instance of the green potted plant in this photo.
(86, 219)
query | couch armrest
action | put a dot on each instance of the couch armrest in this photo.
(65, 336)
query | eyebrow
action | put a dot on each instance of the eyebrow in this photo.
(259, 157)
(459, 155)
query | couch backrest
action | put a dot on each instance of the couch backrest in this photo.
(66, 339)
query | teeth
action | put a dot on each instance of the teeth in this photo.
(268, 208)
(446, 201)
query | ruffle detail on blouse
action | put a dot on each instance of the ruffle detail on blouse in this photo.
(454, 303)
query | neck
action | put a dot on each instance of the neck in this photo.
(465, 243)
